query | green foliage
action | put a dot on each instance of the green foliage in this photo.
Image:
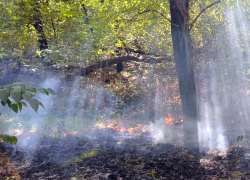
(18, 95)
(86, 30)
(153, 173)
(240, 138)
(8, 139)
(81, 157)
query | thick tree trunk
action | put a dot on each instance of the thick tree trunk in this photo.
(183, 55)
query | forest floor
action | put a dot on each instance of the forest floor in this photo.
(109, 155)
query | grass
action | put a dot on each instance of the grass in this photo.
(81, 157)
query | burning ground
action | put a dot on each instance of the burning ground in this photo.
(92, 134)
(110, 154)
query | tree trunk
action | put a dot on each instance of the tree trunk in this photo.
(43, 44)
(183, 55)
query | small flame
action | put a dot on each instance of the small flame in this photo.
(68, 134)
(139, 128)
(169, 120)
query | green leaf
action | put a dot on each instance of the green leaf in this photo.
(22, 85)
(239, 138)
(16, 95)
(46, 92)
(17, 88)
(14, 139)
(24, 103)
(51, 91)
(14, 107)
(3, 103)
(30, 90)
(9, 103)
(34, 104)
(41, 104)
(27, 97)
(2, 55)
(41, 90)
(8, 139)
(20, 105)
(4, 94)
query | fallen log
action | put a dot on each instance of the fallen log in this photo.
(117, 60)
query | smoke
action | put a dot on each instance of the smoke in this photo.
(223, 99)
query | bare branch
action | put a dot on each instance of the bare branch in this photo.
(202, 11)
(161, 15)
(146, 11)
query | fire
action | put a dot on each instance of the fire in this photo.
(169, 120)
(130, 129)
(137, 129)
(67, 134)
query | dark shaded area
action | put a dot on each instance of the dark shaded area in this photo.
(119, 67)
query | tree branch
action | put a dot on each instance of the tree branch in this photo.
(148, 10)
(161, 15)
(138, 51)
(54, 30)
(107, 63)
(202, 11)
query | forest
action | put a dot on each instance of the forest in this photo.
(124, 89)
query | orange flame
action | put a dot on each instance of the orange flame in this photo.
(137, 129)
(169, 120)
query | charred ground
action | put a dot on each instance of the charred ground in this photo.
(107, 154)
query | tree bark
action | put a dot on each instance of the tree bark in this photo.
(183, 55)
(43, 44)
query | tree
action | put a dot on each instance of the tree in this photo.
(182, 46)
(183, 55)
